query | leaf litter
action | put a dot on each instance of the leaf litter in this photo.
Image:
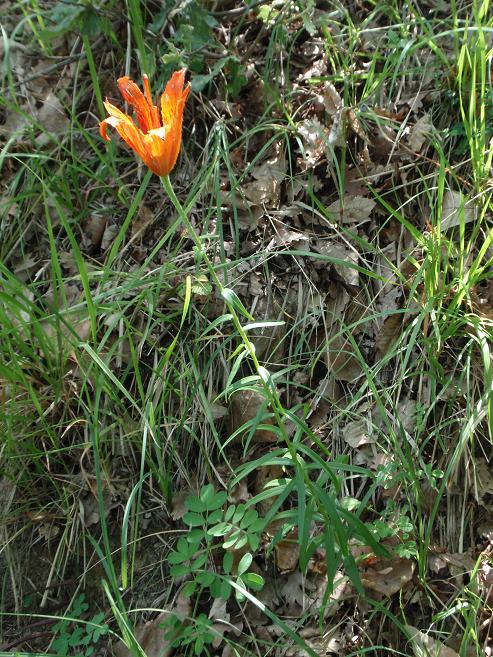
(270, 206)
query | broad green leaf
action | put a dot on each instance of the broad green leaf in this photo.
(195, 504)
(245, 563)
(205, 578)
(189, 589)
(193, 519)
(228, 562)
(254, 581)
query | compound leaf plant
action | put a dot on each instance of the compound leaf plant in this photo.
(234, 529)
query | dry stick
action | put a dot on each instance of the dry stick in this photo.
(24, 639)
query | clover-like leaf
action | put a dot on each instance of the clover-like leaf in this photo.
(193, 519)
(229, 512)
(220, 529)
(253, 581)
(179, 570)
(253, 541)
(228, 562)
(249, 518)
(195, 504)
(245, 563)
(189, 589)
(205, 578)
(238, 514)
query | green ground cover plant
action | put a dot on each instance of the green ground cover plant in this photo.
(247, 409)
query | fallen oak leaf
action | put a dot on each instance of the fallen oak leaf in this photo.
(352, 209)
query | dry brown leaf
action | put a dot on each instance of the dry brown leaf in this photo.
(333, 102)
(239, 493)
(348, 273)
(288, 553)
(344, 364)
(406, 413)
(295, 592)
(110, 232)
(244, 406)
(255, 285)
(352, 209)
(247, 214)
(459, 563)
(425, 646)
(178, 508)
(355, 182)
(388, 576)
(314, 136)
(222, 624)
(316, 70)
(15, 123)
(218, 411)
(341, 589)
(355, 124)
(485, 577)
(483, 479)
(331, 643)
(94, 228)
(420, 132)
(482, 298)
(485, 529)
(143, 219)
(53, 119)
(382, 574)
(356, 434)
(265, 189)
(89, 507)
(388, 334)
(150, 635)
(285, 237)
(436, 563)
(26, 266)
(455, 209)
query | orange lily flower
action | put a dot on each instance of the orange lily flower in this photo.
(157, 138)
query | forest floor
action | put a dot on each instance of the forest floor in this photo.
(261, 424)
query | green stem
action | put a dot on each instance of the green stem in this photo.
(273, 398)
(236, 321)
(190, 229)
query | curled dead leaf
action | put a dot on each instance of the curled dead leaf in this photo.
(356, 434)
(384, 575)
(53, 119)
(352, 209)
(288, 552)
(456, 209)
(314, 136)
(388, 333)
(419, 132)
(250, 406)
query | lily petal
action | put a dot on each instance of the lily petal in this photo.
(125, 127)
(147, 113)
(172, 104)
